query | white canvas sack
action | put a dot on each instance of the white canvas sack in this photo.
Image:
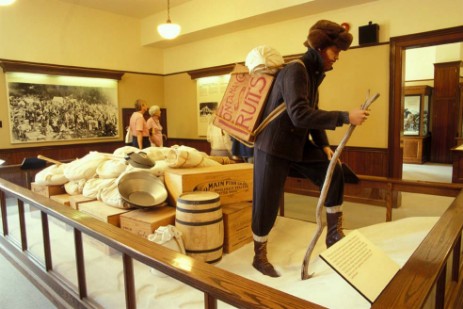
(170, 237)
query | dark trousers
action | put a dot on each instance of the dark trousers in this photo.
(270, 174)
(146, 142)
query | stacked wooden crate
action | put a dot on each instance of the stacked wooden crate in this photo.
(234, 184)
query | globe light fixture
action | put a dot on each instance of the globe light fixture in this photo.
(168, 30)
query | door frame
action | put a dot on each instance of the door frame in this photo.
(398, 45)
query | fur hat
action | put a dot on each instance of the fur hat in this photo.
(326, 33)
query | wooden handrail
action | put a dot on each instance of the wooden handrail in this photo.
(412, 285)
(410, 288)
(392, 186)
(215, 282)
(412, 186)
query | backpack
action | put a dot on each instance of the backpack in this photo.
(240, 111)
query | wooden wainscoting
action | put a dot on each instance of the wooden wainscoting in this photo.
(366, 161)
(199, 144)
(57, 152)
(363, 161)
(66, 153)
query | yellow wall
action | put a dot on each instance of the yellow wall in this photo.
(344, 88)
(358, 71)
(141, 86)
(95, 39)
(55, 32)
(180, 100)
(395, 18)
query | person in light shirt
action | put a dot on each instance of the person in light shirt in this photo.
(138, 125)
(154, 126)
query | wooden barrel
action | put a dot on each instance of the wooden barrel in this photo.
(199, 217)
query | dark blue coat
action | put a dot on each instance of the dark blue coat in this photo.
(287, 135)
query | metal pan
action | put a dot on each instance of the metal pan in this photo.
(139, 160)
(142, 189)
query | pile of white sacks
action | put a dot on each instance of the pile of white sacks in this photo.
(96, 175)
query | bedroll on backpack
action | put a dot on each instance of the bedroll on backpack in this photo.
(240, 111)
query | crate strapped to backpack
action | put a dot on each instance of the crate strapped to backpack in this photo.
(240, 111)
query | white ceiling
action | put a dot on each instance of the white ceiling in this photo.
(132, 8)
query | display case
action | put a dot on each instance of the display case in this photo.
(416, 137)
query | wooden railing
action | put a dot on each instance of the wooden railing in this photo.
(424, 272)
(427, 267)
(389, 187)
(215, 283)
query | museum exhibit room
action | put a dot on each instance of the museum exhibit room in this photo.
(231, 154)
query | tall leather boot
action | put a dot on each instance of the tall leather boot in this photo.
(260, 261)
(334, 223)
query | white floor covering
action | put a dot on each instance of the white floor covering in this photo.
(287, 245)
(19, 293)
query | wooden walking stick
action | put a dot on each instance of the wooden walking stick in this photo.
(324, 191)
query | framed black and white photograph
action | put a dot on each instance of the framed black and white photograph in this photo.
(50, 108)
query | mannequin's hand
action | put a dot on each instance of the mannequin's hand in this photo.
(358, 116)
(329, 153)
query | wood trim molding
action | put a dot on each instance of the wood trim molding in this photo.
(227, 68)
(40, 68)
(398, 45)
(212, 71)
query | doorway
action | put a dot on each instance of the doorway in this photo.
(398, 45)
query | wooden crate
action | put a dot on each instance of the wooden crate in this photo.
(144, 222)
(237, 225)
(233, 182)
(103, 212)
(234, 114)
(47, 191)
(62, 199)
(75, 200)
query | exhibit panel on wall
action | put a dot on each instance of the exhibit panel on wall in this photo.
(210, 91)
(44, 108)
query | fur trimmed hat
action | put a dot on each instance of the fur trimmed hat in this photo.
(326, 33)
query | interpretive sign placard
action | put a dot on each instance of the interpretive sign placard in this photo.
(364, 266)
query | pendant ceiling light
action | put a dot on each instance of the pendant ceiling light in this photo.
(168, 30)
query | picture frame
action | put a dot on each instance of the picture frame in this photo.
(55, 108)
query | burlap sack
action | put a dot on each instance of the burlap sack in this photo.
(75, 187)
(111, 168)
(84, 167)
(94, 185)
(110, 196)
(184, 156)
(52, 175)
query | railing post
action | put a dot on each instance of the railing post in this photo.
(389, 201)
(80, 264)
(130, 296)
(22, 225)
(46, 241)
(456, 260)
(440, 288)
(282, 205)
(4, 214)
(209, 301)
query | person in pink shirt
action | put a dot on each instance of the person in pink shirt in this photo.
(138, 126)
(154, 126)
